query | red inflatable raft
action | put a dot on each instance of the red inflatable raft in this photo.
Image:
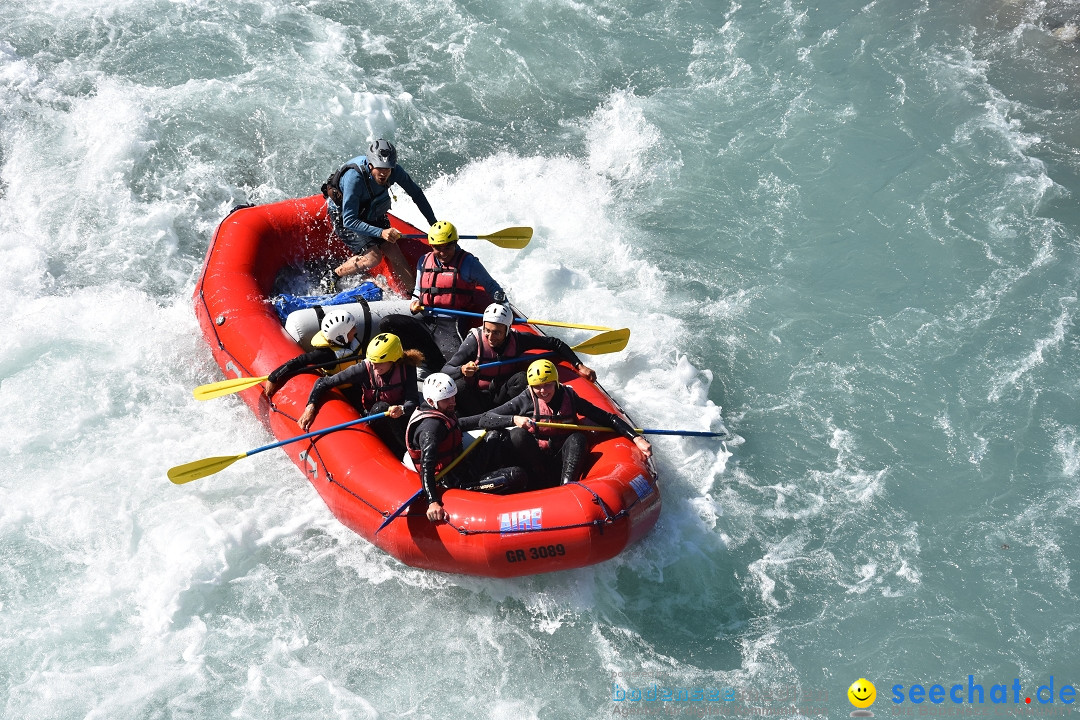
(362, 483)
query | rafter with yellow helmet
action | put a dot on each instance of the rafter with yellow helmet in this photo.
(443, 233)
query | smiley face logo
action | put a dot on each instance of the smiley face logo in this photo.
(862, 693)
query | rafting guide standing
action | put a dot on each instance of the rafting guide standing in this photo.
(358, 198)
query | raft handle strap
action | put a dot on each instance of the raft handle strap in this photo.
(597, 500)
(367, 323)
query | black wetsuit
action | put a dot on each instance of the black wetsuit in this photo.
(305, 363)
(481, 470)
(354, 380)
(561, 462)
(473, 399)
(302, 364)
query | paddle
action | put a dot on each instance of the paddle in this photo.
(514, 238)
(530, 321)
(208, 466)
(235, 385)
(442, 472)
(608, 342)
(643, 431)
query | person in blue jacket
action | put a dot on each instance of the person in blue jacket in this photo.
(357, 200)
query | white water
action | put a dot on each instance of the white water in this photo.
(853, 227)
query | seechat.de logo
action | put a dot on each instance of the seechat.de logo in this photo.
(862, 695)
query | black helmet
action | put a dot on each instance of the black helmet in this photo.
(381, 154)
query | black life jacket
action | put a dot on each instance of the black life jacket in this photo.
(378, 199)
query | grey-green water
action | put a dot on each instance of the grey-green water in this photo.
(848, 233)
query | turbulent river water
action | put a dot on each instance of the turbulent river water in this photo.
(845, 232)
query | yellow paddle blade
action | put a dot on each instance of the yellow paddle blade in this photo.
(514, 238)
(225, 387)
(201, 468)
(609, 342)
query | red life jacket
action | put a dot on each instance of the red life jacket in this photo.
(448, 449)
(443, 286)
(390, 388)
(562, 413)
(485, 354)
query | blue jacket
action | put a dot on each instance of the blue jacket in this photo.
(362, 209)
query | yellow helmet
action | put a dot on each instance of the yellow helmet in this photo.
(442, 233)
(542, 371)
(384, 348)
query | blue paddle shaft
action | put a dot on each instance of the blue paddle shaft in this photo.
(332, 428)
(400, 510)
(465, 313)
(690, 433)
(511, 361)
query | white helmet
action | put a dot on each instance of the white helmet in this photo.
(500, 314)
(336, 326)
(439, 386)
